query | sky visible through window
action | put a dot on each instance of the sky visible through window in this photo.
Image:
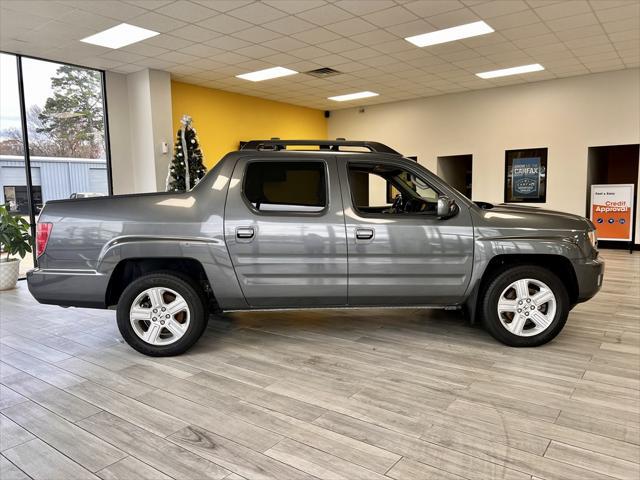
(37, 90)
(64, 109)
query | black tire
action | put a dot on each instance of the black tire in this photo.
(493, 291)
(191, 293)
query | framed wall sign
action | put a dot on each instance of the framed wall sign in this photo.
(612, 211)
(525, 175)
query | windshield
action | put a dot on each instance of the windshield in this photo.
(413, 186)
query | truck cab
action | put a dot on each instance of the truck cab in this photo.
(344, 229)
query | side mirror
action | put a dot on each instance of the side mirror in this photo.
(446, 207)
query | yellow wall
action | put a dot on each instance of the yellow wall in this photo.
(223, 119)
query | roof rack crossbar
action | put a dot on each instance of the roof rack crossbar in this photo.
(334, 145)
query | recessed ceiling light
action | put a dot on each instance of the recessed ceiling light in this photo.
(450, 34)
(120, 36)
(353, 96)
(267, 74)
(534, 67)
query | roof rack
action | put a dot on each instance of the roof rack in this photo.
(332, 145)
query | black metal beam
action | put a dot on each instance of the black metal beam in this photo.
(105, 121)
(27, 156)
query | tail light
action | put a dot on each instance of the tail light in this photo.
(43, 231)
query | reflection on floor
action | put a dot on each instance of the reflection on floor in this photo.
(350, 395)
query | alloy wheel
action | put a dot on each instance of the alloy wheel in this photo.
(160, 316)
(527, 307)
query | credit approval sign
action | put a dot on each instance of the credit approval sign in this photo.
(612, 211)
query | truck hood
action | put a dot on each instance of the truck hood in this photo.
(529, 217)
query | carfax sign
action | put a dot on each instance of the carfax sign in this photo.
(612, 211)
(525, 177)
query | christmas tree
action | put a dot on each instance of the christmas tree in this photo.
(186, 153)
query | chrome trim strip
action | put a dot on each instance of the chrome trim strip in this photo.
(355, 307)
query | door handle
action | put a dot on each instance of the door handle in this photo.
(244, 232)
(364, 233)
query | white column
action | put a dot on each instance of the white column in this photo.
(161, 119)
(139, 108)
(119, 133)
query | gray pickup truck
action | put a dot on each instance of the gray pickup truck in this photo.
(345, 224)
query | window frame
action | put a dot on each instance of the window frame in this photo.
(411, 170)
(105, 109)
(287, 213)
(26, 154)
(514, 154)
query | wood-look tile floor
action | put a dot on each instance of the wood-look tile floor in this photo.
(338, 395)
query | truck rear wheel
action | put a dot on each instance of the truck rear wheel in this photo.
(161, 314)
(525, 306)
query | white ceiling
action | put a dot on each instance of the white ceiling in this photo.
(208, 42)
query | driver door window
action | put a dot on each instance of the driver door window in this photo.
(390, 190)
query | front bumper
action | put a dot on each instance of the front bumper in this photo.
(68, 288)
(590, 275)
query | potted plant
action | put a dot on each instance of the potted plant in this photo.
(14, 239)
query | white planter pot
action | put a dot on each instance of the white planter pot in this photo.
(9, 273)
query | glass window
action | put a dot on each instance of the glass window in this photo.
(13, 177)
(286, 186)
(65, 119)
(390, 190)
(65, 123)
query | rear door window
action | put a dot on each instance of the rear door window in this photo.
(284, 186)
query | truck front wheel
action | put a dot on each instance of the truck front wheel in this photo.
(161, 314)
(525, 306)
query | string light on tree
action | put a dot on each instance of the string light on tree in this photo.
(187, 154)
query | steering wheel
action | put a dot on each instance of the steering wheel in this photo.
(417, 205)
(397, 205)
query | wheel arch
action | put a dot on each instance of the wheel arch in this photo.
(129, 269)
(559, 265)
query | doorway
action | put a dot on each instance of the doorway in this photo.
(457, 171)
(611, 164)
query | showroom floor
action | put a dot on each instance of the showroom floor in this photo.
(340, 395)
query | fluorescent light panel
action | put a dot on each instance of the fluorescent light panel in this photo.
(120, 36)
(353, 96)
(267, 74)
(534, 67)
(450, 34)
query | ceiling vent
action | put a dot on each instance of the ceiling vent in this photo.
(323, 72)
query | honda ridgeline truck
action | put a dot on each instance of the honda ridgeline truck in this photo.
(347, 224)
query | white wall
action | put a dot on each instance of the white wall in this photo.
(566, 115)
(161, 118)
(139, 108)
(119, 133)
